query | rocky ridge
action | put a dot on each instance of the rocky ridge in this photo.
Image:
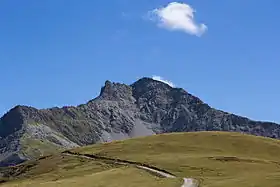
(120, 111)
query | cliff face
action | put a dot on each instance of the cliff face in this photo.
(120, 111)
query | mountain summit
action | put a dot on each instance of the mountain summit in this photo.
(121, 111)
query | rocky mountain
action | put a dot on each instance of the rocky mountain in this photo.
(120, 111)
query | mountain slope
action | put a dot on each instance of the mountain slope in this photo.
(215, 159)
(120, 111)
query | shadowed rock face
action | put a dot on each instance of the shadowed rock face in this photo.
(120, 111)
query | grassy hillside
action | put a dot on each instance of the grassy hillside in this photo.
(70, 171)
(216, 159)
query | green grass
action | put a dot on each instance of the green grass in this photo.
(216, 159)
(34, 148)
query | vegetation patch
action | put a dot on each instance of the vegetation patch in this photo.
(215, 159)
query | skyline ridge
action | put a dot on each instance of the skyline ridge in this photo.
(146, 78)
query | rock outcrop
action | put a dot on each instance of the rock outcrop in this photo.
(120, 111)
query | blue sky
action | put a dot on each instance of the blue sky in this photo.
(60, 52)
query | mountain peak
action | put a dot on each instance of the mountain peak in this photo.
(148, 80)
(11, 121)
(148, 85)
(115, 91)
(18, 109)
(121, 111)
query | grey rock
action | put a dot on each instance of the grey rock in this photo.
(121, 111)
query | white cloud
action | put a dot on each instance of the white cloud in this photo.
(177, 16)
(159, 78)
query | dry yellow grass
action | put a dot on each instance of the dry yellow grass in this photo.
(126, 176)
(216, 159)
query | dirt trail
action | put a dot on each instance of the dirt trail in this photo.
(188, 182)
